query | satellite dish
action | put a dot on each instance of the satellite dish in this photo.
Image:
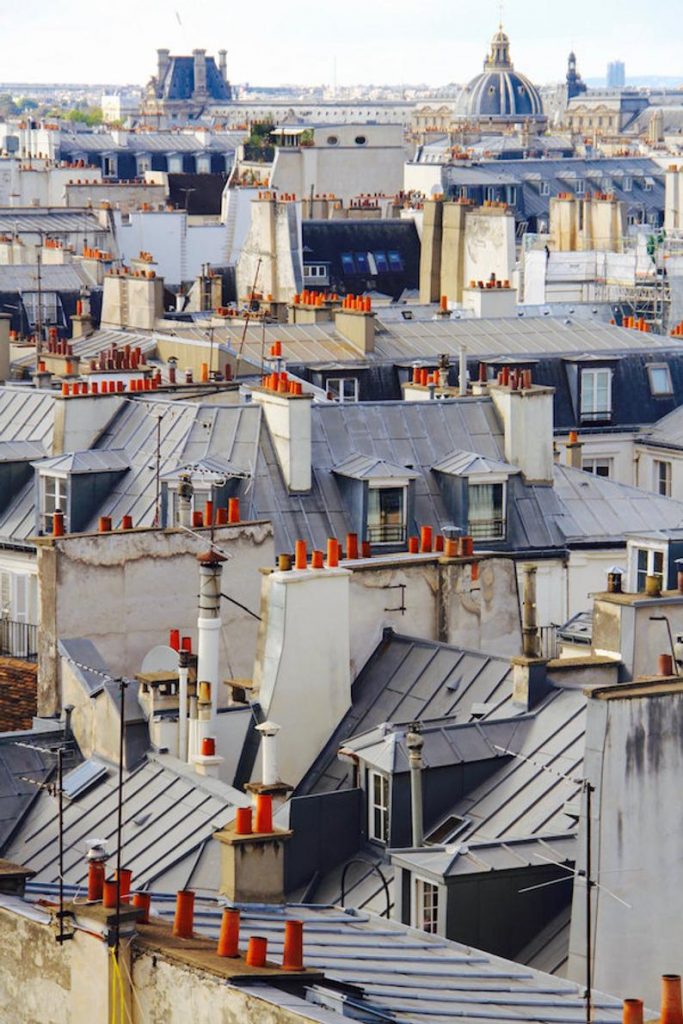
(160, 659)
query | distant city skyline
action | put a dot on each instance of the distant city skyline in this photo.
(382, 43)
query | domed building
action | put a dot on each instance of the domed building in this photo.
(500, 96)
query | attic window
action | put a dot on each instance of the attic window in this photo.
(660, 379)
(447, 831)
(386, 523)
(54, 497)
(395, 261)
(348, 263)
(381, 262)
(486, 519)
(596, 395)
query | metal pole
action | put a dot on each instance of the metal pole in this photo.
(119, 824)
(60, 797)
(39, 318)
(157, 474)
(589, 886)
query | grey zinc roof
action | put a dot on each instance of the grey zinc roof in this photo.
(56, 219)
(472, 858)
(408, 679)
(190, 432)
(68, 277)
(365, 467)
(469, 464)
(169, 817)
(667, 432)
(21, 451)
(402, 975)
(24, 765)
(26, 414)
(91, 461)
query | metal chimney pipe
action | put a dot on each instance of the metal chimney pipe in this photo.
(530, 637)
(209, 622)
(270, 772)
(462, 379)
(415, 743)
(185, 492)
(183, 673)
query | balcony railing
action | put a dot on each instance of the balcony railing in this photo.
(387, 533)
(487, 529)
(18, 640)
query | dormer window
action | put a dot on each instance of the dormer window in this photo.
(53, 499)
(425, 906)
(596, 395)
(378, 807)
(486, 515)
(386, 514)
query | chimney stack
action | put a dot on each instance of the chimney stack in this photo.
(527, 417)
(223, 64)
(163, 60)
(209, 624)
(288, 417)
(574, 449)
(530, 637)
(199, 57)
(252, 863)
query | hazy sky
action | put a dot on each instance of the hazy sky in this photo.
(380, 41)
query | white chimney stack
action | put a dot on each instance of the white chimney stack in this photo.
(289, 421)
(270, 773)
(209, 623)
(527, 415)
(183, 674)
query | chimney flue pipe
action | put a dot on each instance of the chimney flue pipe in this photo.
(209, 623)
(270, 772)
(183, 673)
(415, 743)
(530, 638)
(462, 382)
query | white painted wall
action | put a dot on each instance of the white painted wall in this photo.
(178, 247)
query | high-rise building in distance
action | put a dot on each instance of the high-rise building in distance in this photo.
(616, 74)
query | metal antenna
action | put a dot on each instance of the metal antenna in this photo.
(117, 926)
(588, 789)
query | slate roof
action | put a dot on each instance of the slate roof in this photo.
(169, 817)
(364, 467)
(324, 241)
(24, 220)
(92, 461)
(69, 277)
(668, 431)
(469, 463)
(145, 142)
(19, 764)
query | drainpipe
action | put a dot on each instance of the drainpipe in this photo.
(183, 673)
(415, 743)
(192, 744)
(209, 622)
(270, 773)
(530, 644)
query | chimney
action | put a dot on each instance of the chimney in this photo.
(270, 783)
(199, 57)
(574, 449)
(289, 421)
(134, 298)
(223, 64)
(357, 326)
(80, 419)
(415, 743)
(5, 322)
(530, 637)
(209, 625)
(252, 861)
(163, 61)
(303, 660)
(527, 417)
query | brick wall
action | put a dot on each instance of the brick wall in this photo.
(18, 694)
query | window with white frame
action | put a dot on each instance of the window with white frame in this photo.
(318, 270)
(596, 394)
(54, 499)
(198, 502)
(342, 389)
(378, 807)
(662, 480)
(598, 466)
(545, 188)
(627, 184)
(486, 510)
(426, 906)
(648, 562)
(659, 375)
(386, 522)
(580, 187)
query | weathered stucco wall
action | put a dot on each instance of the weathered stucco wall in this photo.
(169, 993)
(635, 760)
(125, 590)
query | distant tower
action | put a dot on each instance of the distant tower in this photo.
(575, 84)
(616, 74)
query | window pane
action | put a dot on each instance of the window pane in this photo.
(395, 261)
(386, 515)
(381, 262)
(660, 380)
(486, 520)
(348, 264)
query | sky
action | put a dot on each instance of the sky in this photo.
(272, 42)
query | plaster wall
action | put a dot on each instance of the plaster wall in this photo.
(489, 245)
(80, 420)
(301, 672)
(170, 993)
(635, 759)
(178, 247)
(272, 251)
(528, 426)
(124, 591)
(42, 982)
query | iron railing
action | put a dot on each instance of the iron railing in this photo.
(487, 529)
(18, 639)
(387, 534)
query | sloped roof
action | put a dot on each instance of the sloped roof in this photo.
(91, 461)
(364, 467)
(23, 757)
(21, 451)
(469, 464)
